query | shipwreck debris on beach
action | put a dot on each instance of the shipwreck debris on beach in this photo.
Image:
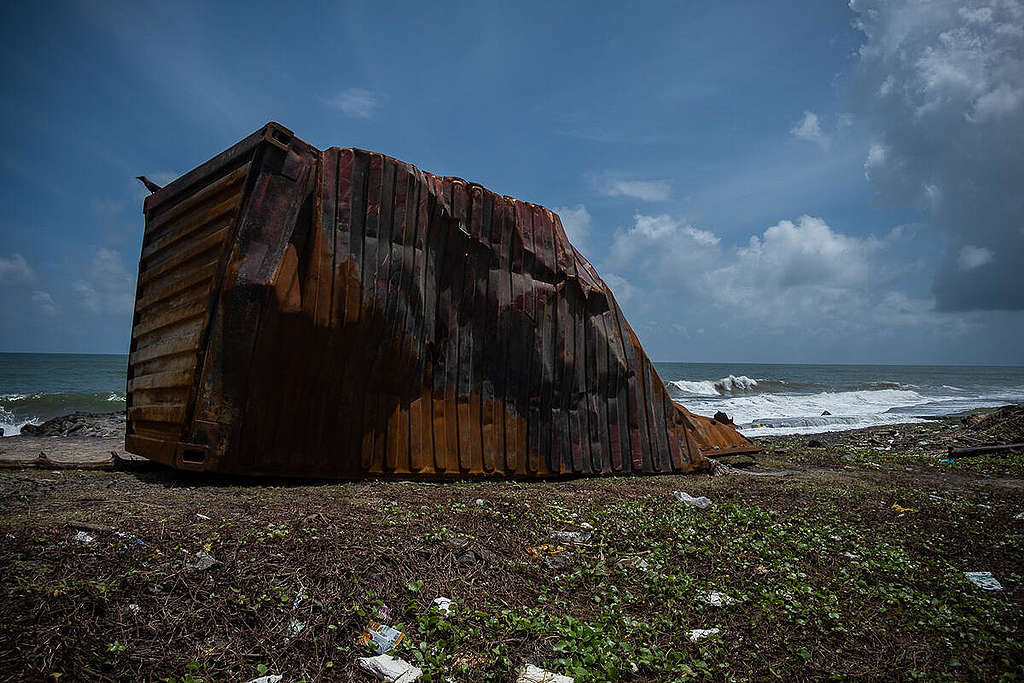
(341, 313)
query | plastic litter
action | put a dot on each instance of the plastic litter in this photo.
(545, 549)
(984, 580)
(949, 460)
(381, 635)
(133, 609)
(201, 561)
(899, 508)
(273, 678)
(83, 537)
(716, 599)
(534, 674)
(202, 516)
(1020, 515)
(480, 501)
(684, 497)
(700, 633)
(572, 536)
(983, 506)
(387, 668)
(444, 605)
(932, 496)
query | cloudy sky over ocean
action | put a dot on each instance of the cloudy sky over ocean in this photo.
(763, 182)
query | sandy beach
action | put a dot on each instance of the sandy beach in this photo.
(850, 559)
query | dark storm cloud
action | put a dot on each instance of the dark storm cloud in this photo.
(942, 84)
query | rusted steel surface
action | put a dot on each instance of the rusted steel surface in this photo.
(340, 313)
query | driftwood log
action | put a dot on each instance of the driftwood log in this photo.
(341, 313)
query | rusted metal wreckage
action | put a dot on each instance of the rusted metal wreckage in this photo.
(340, 313)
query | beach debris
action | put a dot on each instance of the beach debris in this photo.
(1020, 515)
(637, 562)
(572, 536)
(383, 636)
(717, 599)
(202, 516)
(937, 499)
(948, 460)
(295, 627)
(387, 668)
(133, 609)
(984, 580)
(683, 497)
(700, 633)
(444, 605)
(544, 550)
(824, 413)
(852, 556)
(272, 678)
(899, 508)
(983, 506)
(83, 537)
(201, 561)
(535, 674)
(480, 501)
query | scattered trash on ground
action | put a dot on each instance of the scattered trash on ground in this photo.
(572, 536)
(533, 674)
(983, 506)
(133, 609)
(295, 627)
(202, 516)
(948, 460)
(480, 501)
(444, 605)
(201, 561)
(716, 599)
(544, 550)
(899, 508)
(637, 563)
(932, 496)
(273, 678)
(387, 668)
(684, 497)
(1020, 515)
(852, 556)
(984, 580)
(381, 635)
(83, 537)
(700, 633)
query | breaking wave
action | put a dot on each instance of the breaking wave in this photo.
(17, 410)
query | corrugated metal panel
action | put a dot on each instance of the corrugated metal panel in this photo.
(377, 320)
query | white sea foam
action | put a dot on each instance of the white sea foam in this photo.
(718, 387)
(11, 424)
(115, 397)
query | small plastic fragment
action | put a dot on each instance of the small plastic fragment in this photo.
(716, 599)
(899, 508)
(444, 605)
(83, 537)
(984, 580)
(534, 674)
(272, 678)
(201, 562)
(480, 501)
(387, 668)
(381, 635)
(684, 497)
(572, 536)
(700, 633)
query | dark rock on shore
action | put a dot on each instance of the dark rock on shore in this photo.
(79, 424)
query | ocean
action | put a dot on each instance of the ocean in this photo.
(762, 399)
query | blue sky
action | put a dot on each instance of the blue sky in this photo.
(763, 182)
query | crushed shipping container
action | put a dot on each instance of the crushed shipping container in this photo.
(340, 313)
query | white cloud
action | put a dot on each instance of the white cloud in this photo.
(809, 128)
(576, 222)
(15, 270)
(647, 190)
(876, 157)
(44, 302)
(621, 287)
(980, 15)
(972, 257)
(356, 102)
(108, 287)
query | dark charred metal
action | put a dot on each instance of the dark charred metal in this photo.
(340, 313)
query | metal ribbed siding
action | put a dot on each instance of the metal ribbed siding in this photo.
(376, 320)
(182, 248)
